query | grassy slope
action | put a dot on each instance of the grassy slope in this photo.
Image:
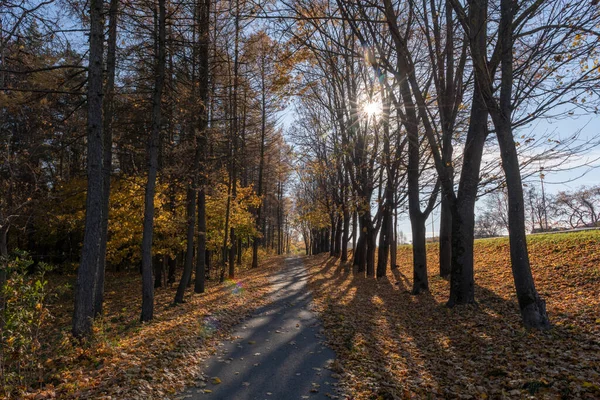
(392, 344)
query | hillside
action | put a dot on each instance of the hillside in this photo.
(402, 346)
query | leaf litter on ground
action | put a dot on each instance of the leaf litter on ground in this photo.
(393, 345)
(129, 360)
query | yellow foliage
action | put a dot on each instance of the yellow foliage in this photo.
(126, 212)
(240, 217)
(126, 220)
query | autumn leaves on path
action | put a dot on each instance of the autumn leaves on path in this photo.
(275, 354)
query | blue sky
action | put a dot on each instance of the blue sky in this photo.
(573, 174)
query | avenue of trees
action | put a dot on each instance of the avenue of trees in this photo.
(141, 135)
(408, 105)
(147, 134)
(185, 141)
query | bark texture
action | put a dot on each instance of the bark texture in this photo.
(147, 279)
(90, 255)
(111, 61)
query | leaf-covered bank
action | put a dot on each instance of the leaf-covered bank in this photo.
(392, 344)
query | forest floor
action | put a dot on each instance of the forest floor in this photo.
(130, 360)
(393, 345)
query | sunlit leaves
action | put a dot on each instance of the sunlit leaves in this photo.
(241, 216)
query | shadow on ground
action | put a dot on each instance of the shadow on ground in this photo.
(277, 353)
(392, 344)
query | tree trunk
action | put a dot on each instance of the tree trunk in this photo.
(463, 221)
(203, 15)
(394, 233)
(193, 137)
(417, 219)
(224, 251)
(90, 255)
(371, 247)
(445, 238)
(333, 235)
(384, 241)
(345, 235)
(234, 135)
(533, 308)
(354, 233)
(147, 284)
(189, 251)
(387, 231)
(462, 284)
(306, 237)
(172, 269)
(420, 280)
(4, 240)
(255, 242)
(338, 237)
(201, 254)
(207, 259)
(279, 217)
(232, 249)
(111, 62)
(360, 252)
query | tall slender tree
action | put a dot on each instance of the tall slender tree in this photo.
(203, 97)
(85, 288)
(153, 149)
(109, 110)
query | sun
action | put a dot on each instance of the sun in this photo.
(372, 108)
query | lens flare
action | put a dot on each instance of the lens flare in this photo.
(208, 326)
(236, 287)
(372, 108)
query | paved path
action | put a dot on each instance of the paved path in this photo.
(277, 353)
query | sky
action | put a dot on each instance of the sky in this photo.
(584, 171)
(571, 177)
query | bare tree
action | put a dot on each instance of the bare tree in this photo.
(487, 225)
(579, 208)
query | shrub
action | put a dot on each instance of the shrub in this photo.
(24, 296)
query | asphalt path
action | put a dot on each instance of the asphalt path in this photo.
(277, 353)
